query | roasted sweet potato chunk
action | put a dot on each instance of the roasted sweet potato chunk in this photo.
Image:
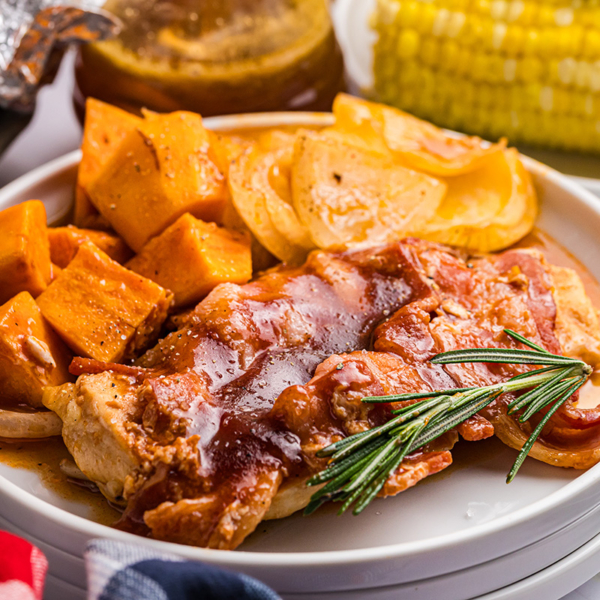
(101, 309)
(163, 169)
(65, 241)
(24, 250)
(206, 256)
(105, 128)
(32, 356)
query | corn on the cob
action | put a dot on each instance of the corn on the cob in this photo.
(525, 69)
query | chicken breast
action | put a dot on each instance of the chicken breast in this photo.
(218, 426)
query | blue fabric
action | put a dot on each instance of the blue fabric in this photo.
(118, 571)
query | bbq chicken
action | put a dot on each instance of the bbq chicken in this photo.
(218, 426)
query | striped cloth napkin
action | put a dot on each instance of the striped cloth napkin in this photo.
(118, 571)
(22, 569)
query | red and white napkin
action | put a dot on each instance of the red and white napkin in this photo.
(22, 569)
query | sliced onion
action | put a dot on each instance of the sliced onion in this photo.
(29, 425)
(70, 469)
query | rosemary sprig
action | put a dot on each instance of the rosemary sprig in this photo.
(360, 464)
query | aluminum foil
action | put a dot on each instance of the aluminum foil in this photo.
(33, 37)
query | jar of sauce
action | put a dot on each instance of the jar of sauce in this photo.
(215, 57)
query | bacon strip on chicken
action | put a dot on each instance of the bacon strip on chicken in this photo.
(218, 426)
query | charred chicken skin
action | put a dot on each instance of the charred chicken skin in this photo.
(218, 426)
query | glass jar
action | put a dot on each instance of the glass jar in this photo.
(215, 57)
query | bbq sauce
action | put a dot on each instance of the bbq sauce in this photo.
(292, 368)
(285, 325)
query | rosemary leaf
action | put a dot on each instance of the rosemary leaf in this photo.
(335, 468)
(417, 396)
(360, 465)
(501, 355)
(543, 401)
(411, 412)
(374, 464)
(536, 432)
(540, 390)
(524, 340)
(454, 419)
(534, 372)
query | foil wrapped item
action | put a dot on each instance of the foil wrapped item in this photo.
(33, 37)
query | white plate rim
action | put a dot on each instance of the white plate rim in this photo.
(297, 559)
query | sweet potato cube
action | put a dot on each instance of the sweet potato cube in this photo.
(191, 257)
(32, 356)
(101, 309)
(105, 128)
(65, 241)
(24, 250)
(162, 169)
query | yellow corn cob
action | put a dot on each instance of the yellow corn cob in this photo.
(525, 69)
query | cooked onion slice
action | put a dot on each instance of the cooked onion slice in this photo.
(70, 469)
(30, 425)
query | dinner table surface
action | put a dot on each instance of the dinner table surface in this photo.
(55, 130)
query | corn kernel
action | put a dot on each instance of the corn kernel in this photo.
(563, 17)
(485, 95)
(498, 35)
(547, 42)
(589, 105)
(564, 42)
(428, 14)
(468, 94)
(455, 25)
(583, 74)
(532, 41)
(529, 69)
(409, 73)
(514, 40)
(528, 15)
(441, 21)
(591, 44)
(495, 72)
(546, 96)
(430, 52)
(479, 67)
(502, 98)
(483, 7)
(499, 10)
(566, 70)
(562, 101)
(449, 53)
(509, 70)
(408, 14)
(545, 17)
(463, 63)
(595, 76)
(552, 71)
(596, 106)
(515, 10)
(517, 98)
(576, 103)
(408, 43)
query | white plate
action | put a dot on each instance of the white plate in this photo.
(456, 520)
(467, 583)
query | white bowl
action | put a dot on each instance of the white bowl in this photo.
(446, 527)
